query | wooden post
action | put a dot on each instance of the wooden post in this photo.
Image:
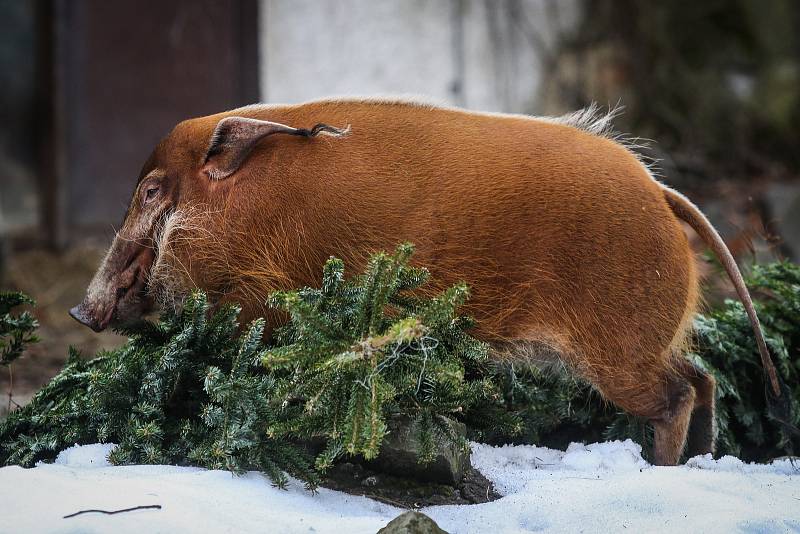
(52, 24)
(249, 66)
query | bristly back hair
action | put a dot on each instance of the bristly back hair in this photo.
(593, 119)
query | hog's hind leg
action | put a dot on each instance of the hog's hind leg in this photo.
(671, 424)
(702, 430)
(657, 392)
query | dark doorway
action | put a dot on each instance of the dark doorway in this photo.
(122, 74)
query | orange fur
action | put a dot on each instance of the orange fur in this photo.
(564, 237)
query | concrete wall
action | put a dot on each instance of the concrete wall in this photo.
(482, 54)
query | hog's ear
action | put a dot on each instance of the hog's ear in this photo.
(234, 138)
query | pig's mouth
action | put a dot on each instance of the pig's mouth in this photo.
(120, 299)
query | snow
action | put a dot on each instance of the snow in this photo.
(601, 487)
(86, 456)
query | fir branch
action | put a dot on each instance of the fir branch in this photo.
(16, 331)
(374, 363)
(194, 388)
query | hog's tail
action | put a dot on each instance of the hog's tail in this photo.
(778, 397)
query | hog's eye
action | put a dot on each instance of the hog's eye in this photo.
(151, 193)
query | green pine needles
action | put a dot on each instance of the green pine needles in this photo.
(188, 390)
(192, 390)
(197, 388)
(16, 331)
(356, 351)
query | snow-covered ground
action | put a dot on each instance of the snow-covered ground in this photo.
(604, 487)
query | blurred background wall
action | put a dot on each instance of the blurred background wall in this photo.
(472, 53)
(92, 85)
(89, 86)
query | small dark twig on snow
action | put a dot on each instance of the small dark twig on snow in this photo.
(112, 512)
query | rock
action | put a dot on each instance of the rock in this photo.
(400, 452)
(412, 523)
(397, 479)
(476, 488)
(357, 479)
(370, 481)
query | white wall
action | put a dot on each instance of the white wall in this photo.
(483, 54)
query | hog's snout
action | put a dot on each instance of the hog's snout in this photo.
(117, 294)
(84, 316)
(98, 310)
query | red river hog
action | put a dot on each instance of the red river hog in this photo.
(572, 250)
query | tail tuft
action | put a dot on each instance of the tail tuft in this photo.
(779, 409)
